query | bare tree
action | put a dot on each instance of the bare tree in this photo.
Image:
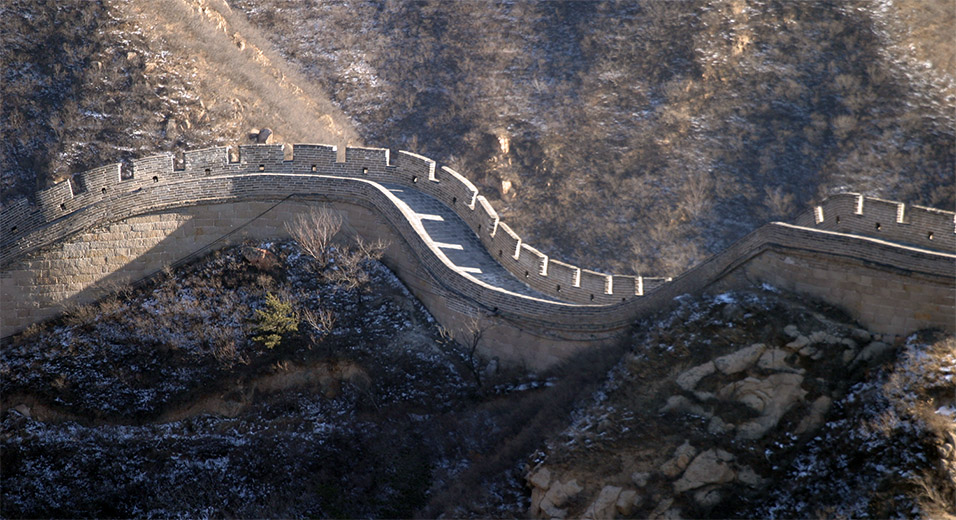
(466, 349)
(371, 250)
(320, 323)
(314, 232)
(348, 272)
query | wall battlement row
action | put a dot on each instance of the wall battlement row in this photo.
(856, 214)
(844, 213)
(102, 185)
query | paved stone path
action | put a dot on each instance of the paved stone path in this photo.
(447, 232)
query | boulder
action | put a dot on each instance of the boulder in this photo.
(541, 478)
(689, 378)
(682, 457)
(717, 426)
(708, 496)
(662, 510)
(774, 359)
(640, 478)
(813, 420)
(681, 404)
(23, 409)
(264, 136)
(748, 477)
(772, 397)
(791, 330)
(848, 355)
(627, 501)
(710, 467)
(862, 335)
(798, 343)
(740, 360)
(558, 495)
(604, 506)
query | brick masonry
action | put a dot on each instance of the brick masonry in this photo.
(889, 265)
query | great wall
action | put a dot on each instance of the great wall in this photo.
(890, 266)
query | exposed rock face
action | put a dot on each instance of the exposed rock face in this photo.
(682, 457)
(260, 258)
(604, 506)
(872, 351)
(627, 501)
(710, 467)
(740, 360)
(747, 476)
(774, 359)
(771, 397)
(689, 379)
(549, 495)
(679, 403)
(713, 429)
(813, 420)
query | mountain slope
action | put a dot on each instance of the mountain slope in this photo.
(88, 83)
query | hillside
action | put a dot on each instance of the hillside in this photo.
(643, 136)
(626, 137)
(87, 83)
(759, 405)
(268, 381)
(160, 401)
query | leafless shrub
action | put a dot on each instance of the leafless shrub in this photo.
(778, 203)
(464, 346)
(226, 353)
(314, 233)
(77, 314)
(321, 321)
(371, 250)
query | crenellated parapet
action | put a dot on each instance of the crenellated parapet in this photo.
(892, 221)
(161, 172)
(89, 195)
(892, 266)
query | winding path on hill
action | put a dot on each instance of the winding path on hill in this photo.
(889, 265)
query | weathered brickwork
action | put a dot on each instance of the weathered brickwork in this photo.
(109, 226)
(893, 221)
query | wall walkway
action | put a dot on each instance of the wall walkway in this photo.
(890, 265)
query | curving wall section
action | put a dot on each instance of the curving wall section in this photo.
(834, 251)
(99, 186)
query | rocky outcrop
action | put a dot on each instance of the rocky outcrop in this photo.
(710, 467)
(549, 495)
(740, 408)
(740, 360)
(682, 457)
(771, 397)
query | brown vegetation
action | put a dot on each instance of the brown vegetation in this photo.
(92, 82)
(642, 137)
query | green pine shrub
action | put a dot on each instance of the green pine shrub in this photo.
(274, 321)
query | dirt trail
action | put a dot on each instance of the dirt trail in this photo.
(236, 65)
(326, 377)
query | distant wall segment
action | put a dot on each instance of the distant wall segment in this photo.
(891, 266)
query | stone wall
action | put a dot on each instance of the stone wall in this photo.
(107, 227)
